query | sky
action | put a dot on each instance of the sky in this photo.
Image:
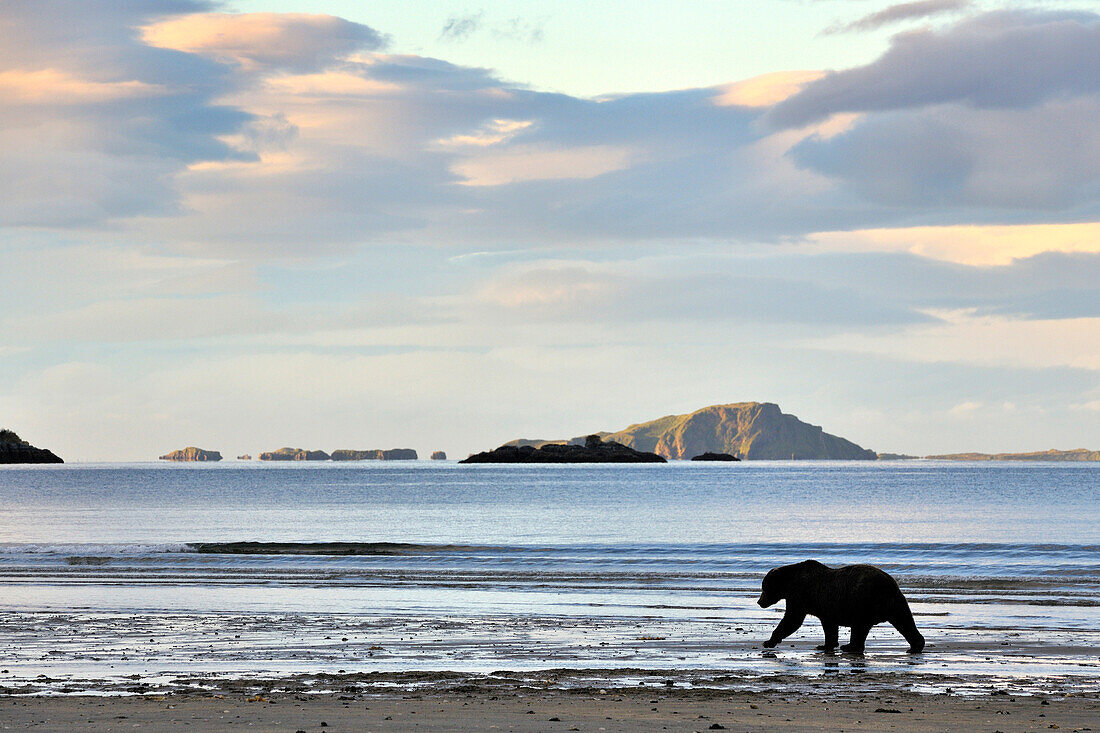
(444, 225)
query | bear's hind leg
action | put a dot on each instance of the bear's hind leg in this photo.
(832, 636)
(859, 638)
(905, 625)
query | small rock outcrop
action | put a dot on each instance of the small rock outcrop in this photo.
(395, 454)
(595, 450)
(14, 449)
(191, 453)
(244, 457)
(708, 456)
(439, 456)
(294, 454)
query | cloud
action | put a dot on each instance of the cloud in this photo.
(521, 29)
(1049, 286)
(965, 409)
(968, 244)
(1000, 60)
(900, 12)
(102, 123)
(490, 133)
(284, 41)
(245, 136)
(968, 338)
(576, 292)
(460, 27)
(958, 163)
(532, 163)
(51, 86)
(765, 90)
(202, 210)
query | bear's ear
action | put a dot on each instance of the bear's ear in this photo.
(775, 582)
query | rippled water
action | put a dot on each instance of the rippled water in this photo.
(529, 567)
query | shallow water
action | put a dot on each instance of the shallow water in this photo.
(525, 568)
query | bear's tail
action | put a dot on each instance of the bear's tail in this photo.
(903, 622)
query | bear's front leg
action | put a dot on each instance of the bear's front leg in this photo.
(789, 624)
(832, 636)
(859, 638)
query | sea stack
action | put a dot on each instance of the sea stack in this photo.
(439, 456)
(191, 453)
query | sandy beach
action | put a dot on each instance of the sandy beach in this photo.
(635, 709)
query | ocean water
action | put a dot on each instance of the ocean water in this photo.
(611, 574)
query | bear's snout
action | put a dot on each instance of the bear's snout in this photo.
(764, 601)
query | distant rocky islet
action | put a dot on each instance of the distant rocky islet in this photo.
(394, 454)
(718, 457)
(594, 450)
(14, 449)
(1061, 456)
(191, 453)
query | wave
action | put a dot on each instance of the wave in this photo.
(330, 548)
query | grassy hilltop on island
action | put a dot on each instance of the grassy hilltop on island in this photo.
(749, 430)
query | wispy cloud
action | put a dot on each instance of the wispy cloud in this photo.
(460, 27)
(517, 28)
(521, 29)
(898, 13)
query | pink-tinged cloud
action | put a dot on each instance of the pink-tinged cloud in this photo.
(58, 87)
(274, 40)
(765, 90)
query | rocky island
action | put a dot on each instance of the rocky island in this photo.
(294, 454)
(594, 450)
(751, 430)
(191, 453)
(708, 456)
(439, 456)
(1078, 454)
(395, 454)
(14, 449)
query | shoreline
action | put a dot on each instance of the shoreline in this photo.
(836, 681)
(525, 709)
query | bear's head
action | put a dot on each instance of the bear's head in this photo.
(773, 589)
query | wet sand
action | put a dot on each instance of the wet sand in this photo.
(479, 709)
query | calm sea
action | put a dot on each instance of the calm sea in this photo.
(629, 570)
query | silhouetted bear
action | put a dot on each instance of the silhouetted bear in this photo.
(858, 596)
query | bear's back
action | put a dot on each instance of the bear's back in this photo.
(864, 593)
